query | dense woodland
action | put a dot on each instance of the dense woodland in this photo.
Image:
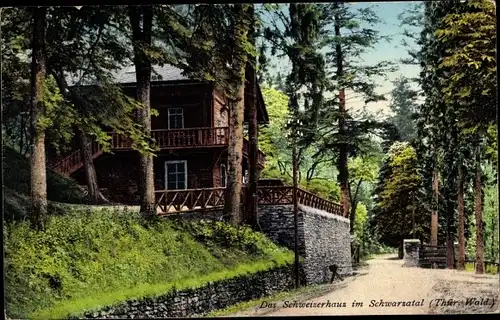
(428, 171)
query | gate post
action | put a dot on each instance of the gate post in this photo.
(411, 252)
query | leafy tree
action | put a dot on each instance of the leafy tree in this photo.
(362, 170)
(398, 215)
(361, 227)
(219, 50)
(39, 96)
(85, 47)
(141, 21)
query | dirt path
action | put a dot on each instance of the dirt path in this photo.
(415, 289)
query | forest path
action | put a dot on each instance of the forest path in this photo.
(388, 281)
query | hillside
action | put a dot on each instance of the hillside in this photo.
(16, 180)
(87, 258)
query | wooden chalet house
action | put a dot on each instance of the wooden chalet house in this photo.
(191, 131)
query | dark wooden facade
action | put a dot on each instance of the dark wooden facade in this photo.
(191, 131)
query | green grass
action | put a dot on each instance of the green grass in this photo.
(16, 183)
(85, 260)
(489, 269)
(77, 307)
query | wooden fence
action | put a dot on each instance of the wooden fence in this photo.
(171, 201)
(430, 256)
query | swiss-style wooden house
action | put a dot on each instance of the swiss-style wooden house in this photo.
(191, 131)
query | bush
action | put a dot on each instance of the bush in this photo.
(326, 189)
(84, 253)
(226, 236)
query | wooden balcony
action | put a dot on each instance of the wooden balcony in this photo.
(185, 138)
(164, 139)
(178, 138)
(188, 200)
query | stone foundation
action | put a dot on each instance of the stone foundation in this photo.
(324, 238)
(200, 301)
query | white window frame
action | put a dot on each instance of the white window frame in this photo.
(223, 169)
(170, 112)
(185, 172)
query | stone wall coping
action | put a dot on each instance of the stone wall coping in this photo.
(323, 213)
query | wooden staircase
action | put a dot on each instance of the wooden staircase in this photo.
(71, 163)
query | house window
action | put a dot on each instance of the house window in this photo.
(223, 173)
(175, 175)
(175, 118)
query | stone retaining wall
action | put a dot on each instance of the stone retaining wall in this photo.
(324, 238)
(200, 301)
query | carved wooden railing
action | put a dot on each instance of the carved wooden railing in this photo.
(179, 138)
(171, 201)
(168, 201)
(73, 161)
(164, 139)
(191, 137)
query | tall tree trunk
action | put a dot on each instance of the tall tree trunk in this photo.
(354, 204)
(37, 158)
(461, 220)
(236, 103)
(450, 258)
(142, 16)
(21, 132)
(342, 160)
(95, 196)
(253, 178)
(434, 213)
(478, 210)
(234, 160)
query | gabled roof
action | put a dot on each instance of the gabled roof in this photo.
(126, 75)
(160, 73)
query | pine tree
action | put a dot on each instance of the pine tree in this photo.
(404, 107)
(345, 39)
(468, 33)
(396, 214)
(218, 50)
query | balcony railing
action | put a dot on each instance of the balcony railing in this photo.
(164, 139)
(188, 200)
(179, 138)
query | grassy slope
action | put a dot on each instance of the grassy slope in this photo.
(85, 259)
(16, 179)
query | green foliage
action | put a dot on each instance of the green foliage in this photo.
(490, 217)
(87, 259)
(404, 107)
(16, 183)
(316, 176)
(397, 198)
(360, 224)
(217, 233)
(327, 189)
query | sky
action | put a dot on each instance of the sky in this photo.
(393, 50)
